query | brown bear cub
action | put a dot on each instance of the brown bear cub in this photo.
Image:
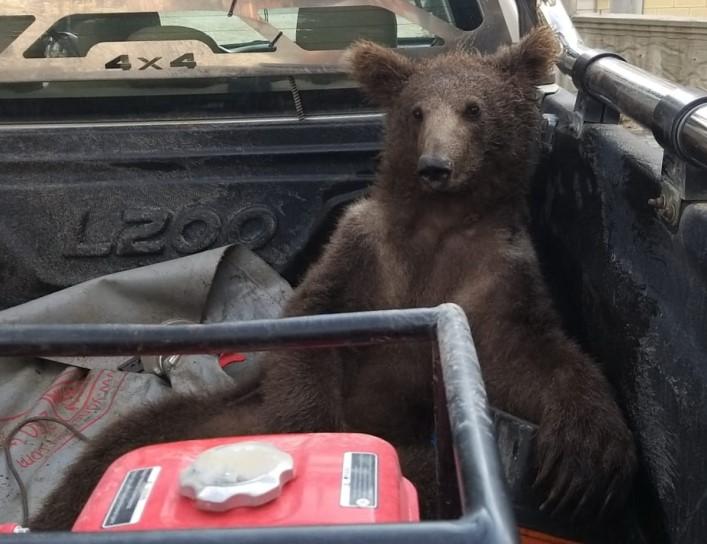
(445, 222)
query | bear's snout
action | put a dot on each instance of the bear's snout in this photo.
(434, 171)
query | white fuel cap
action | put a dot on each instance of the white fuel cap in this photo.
(240, 474)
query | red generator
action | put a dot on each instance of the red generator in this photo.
(252, 481)
(295, 487)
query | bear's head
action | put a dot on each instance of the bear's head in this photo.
(459, 119)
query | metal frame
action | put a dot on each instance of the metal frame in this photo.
(676, 114)
(487, 516)
(289, 59)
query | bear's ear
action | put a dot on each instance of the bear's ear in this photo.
(381, 72)
(532, 58)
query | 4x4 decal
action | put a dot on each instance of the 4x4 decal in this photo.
(122, 62)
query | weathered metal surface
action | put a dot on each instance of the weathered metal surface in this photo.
(288, 58)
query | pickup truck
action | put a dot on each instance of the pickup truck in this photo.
(131, 135)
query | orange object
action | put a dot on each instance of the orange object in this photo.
(229, 358)
(533, 537)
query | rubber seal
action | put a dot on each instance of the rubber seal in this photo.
(670, 115)
(585, 60)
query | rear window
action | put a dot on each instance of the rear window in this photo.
(248, 58)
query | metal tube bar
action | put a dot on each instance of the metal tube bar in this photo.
(628, 89)
(295, 332)
(487, 510)
(693, 136)
(455, 532)
(471, 424)
(559, 20)
(633, 91)
(638, 94)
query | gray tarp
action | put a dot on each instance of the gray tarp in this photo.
(89, 393)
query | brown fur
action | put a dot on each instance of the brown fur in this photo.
(413, 245)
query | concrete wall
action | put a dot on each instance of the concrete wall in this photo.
(675, 48)
(679, 8)
(674, 8)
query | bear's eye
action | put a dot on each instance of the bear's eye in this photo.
(472, 110)
(417, 114)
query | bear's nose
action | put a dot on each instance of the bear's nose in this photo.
(435, 170)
